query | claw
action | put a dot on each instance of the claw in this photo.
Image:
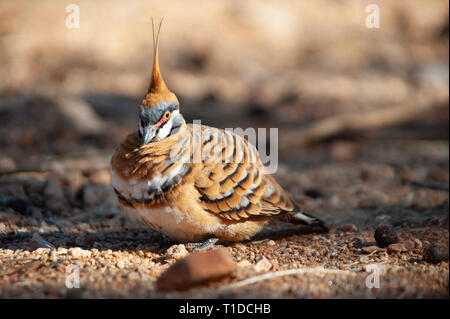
(202, 246)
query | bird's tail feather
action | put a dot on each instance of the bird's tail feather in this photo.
(298, 217)
(303, 218)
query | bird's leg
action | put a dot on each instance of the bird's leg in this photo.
(202, 246)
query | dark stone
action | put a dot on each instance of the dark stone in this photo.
(435, 254)
(19, 205)
(385, 235)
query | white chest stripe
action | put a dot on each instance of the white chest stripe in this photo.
(139, 189)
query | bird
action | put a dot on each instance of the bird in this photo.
(195, 183)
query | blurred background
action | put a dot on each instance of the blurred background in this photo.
(284, 64)
(362, 113)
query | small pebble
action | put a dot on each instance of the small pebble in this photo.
(263, 265)
(396, 248)
(77, 252)
(385, 235)
(418, 243)
(271, 243)
(40, 251)
(120, 264)
(275, 264)
(53, 256)
(435, 253)
(176, 252)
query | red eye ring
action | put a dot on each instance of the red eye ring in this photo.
(163, 119)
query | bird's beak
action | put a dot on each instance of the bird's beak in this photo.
(148, 133)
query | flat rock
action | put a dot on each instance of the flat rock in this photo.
(197, 268)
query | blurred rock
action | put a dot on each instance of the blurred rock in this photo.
(7, 164)
(34, 188)
(54, 195)
(409, 244)
(343, 151)
(418, 243)
(19, 205)
(13, 188)
(96, 194)
(197, 268)
(74, 179)
(80, 116)
(348, 228)
(101, 177)
(435, 253)
(53, 191)
(437, 175)
(37, 241)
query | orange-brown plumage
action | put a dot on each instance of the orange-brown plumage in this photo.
(157, 90)
(193, 184)
(209, 205)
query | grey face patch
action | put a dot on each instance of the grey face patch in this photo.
(148, 117)
(153, 115)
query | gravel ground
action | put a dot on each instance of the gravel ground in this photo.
(70, 97)
(76, 215)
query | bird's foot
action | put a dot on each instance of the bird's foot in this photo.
(202, 246)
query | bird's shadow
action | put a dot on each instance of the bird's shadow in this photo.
(139, 239)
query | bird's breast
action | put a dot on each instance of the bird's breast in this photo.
(172, 222)
(145, 190)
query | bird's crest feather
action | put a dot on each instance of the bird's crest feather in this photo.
(157, 91)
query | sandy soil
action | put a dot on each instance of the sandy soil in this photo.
(119, 258)
(70, 97)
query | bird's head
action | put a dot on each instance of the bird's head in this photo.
(159, 115)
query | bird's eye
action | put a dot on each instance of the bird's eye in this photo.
(167, 115)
